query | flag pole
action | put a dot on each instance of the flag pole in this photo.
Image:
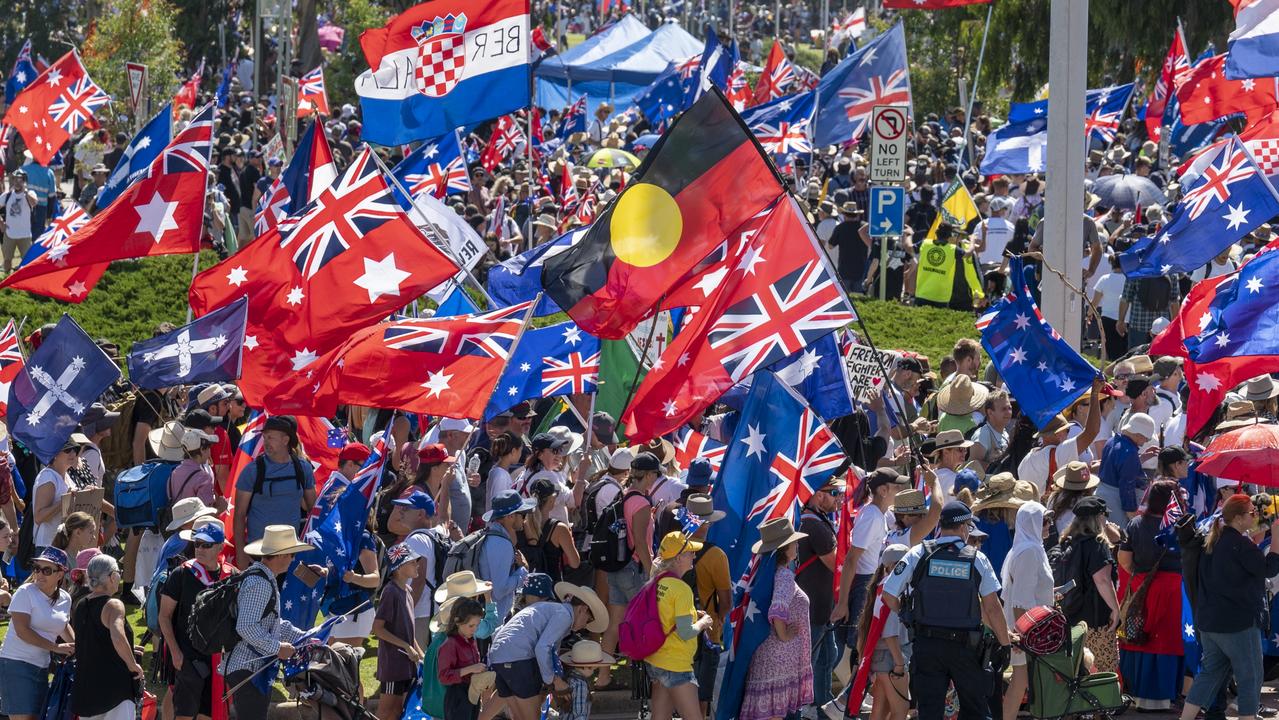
(442, 239)
(195, 270)
(972, 92)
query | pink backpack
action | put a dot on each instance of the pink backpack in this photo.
(640, 634)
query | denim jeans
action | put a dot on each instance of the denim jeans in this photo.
(1237, 653)
(824, 654)
(846, 631)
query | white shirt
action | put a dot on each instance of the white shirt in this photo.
(1111, 287)
(946, 479)
(669, 491)
(869, 533)
(1034, 467)
(563, 498)
(1029, 584)
(17, 213)
(45, 531)
(998, 232)
(1168, 406)
(499, 481)
(48, 619)
(422, 543)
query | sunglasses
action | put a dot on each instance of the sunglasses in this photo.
(46, 570)
(834, 493)
(72, 450)
(202, 545)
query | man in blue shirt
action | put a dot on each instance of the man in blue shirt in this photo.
(40, 180)
(499, 562)
(278, 488)
(1122, 477)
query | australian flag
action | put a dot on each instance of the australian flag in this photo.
(436, 168)
(1020, 146)
(876, 74)
(574, 119)
(519, 279)
(747, 628)
(817, 373)
(1242, 320)
(661, 101)
(1230, 199)
(1103, 109)
(61, 379)
(207, 350)
(136, 161)
(783, 126)
(781, 453)
(24, 71)
(555, 360)
(1041, 369)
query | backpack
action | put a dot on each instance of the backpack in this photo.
(158, 580)
(640, 633)
(441, 546)
(211, 623)
(610, 551)
(591, 515)
(465, 554)
(535, 554)
(1154, 293)
(142, 494)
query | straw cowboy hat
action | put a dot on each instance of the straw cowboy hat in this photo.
(1075, 476)
(277, 540)
(481, 682)
(599, 614)
(1262, 387)
(1056, 425)
(949, 439)
(462, 584)
(909, 502)
(1002, 490)
(587, 653)
(546, 220)
(188, 509)
(166, 441)
(962, 396)
(1239, 413)
(775, 534)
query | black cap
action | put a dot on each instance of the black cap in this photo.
(1088, 506)
(884, 476)
(1137, 385)
(547, 441)
(201, 419)
(646, 462)
(282, 423)
(911, 364)
(954, 513)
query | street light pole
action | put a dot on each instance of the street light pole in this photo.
(1064, 201)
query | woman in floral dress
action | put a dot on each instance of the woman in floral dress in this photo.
(781, 675)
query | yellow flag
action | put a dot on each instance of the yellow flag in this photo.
(957, 208)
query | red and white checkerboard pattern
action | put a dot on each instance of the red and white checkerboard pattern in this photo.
(1266, 151)
(441, 60)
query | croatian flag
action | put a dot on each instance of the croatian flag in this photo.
(442, 65)
(1253, 50)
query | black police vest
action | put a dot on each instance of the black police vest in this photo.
(944, 587)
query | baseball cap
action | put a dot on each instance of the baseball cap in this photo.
(417, 500)
(646, 462)
(432, 453)
(461, 425)
(210, 533)
(354, 452)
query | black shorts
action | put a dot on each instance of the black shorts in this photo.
(521, 679)
(395, 687)
(193, 693)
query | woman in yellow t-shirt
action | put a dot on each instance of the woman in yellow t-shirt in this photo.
(671, 667)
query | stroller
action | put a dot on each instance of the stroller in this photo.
(331, 683)
(1059, 685)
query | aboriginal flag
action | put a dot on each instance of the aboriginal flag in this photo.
(706, 176)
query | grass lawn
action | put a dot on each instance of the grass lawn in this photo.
(136, 619)
(931, 331)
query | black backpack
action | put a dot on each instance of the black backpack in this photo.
(591, 515)
(535, 553)
(609, 549)
(211, 624)
(465, 554)
(441, 547)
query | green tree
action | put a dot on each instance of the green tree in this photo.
(135, 31)
(345, 65)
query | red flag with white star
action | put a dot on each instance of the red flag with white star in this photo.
(1205, 94)
(54, 106)
(161, 214)
(440, 366)
(774, 297)
(346, 260)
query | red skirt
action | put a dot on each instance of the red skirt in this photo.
(1163, 612)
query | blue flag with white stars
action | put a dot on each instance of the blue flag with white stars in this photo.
(519, 279)
(1021, 145)
(1243, 321)
(1041, 369)
(138, 155)
(746, 630)
(661, 101)
(876, 74)
(1230, 200)
(555, 360)
(783, 126)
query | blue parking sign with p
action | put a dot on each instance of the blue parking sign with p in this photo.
(887, 216)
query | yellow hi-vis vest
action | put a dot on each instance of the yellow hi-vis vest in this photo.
(935, 281)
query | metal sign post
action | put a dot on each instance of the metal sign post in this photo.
(887, 219)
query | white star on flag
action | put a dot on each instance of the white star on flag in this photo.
(250, 342)
(1207, 382)
(1223, 339)
(1235, 216)
(436, 383)
(381, 277)
(295, 296)
(525, 367)
(750, 259)
(303, 357)
(754, 441)
(1018, 356)
(1021, 321)
(237, 276)
(1067, 385)
(55, 76)
(1254, 286)
(77, 288)
(670, 408)
(711, 281)
(156, 217)
(572, 335)
(1042, 366)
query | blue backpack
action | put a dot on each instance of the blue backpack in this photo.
(142, 494)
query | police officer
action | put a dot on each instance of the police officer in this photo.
(952, 590)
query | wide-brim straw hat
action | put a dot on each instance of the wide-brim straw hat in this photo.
(599, 613)
(1075, 476)
(950, 439)
(1239, 413)
(962, 396)
(187, 510)
(462, 584)
(277, 540)
(909, 502)
(774, 534)
(1003, 490)
(587, 653)
(166, 441)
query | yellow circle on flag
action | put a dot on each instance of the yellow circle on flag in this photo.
(646, 225)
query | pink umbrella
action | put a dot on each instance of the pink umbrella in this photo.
(331, 37)
(1247, 454)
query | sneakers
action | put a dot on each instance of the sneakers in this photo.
(810, 712)
(833, 710)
